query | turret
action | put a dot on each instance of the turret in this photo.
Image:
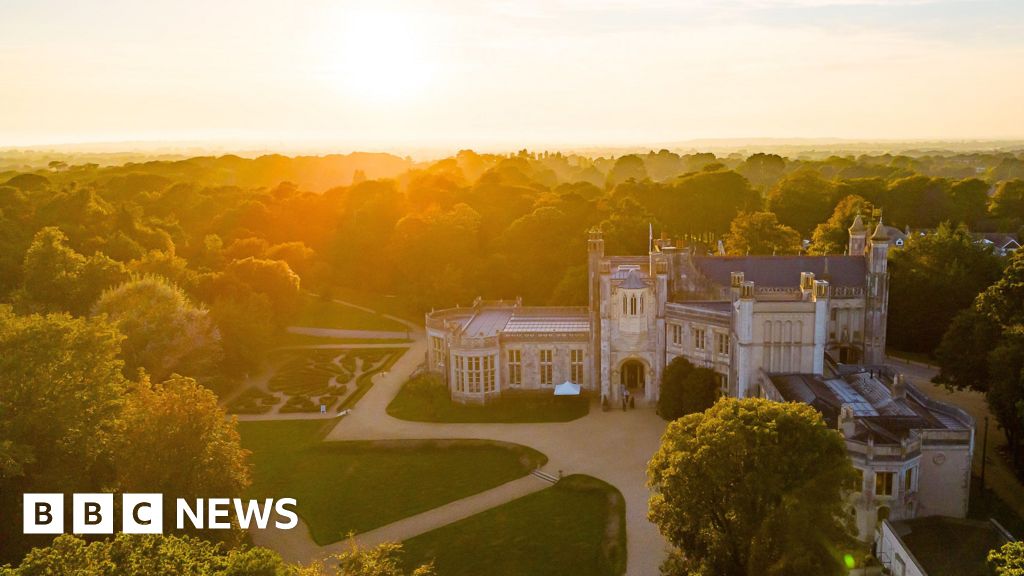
(876, 298)
(858, 237)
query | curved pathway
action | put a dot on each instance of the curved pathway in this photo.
(613, 446)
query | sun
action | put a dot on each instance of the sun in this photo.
(381, 56)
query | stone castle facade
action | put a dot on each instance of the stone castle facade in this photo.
(790, 328)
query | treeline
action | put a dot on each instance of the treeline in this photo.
(446, 231)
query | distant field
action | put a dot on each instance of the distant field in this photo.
(575, 527)
(357, 486)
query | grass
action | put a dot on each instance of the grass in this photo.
(341, 487)
(425, 398)
(985, 504)
(920, 357)
(322, 313)
(575, 527)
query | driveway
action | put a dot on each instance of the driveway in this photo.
(612, 446)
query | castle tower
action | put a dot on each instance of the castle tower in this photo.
(595, 254)
(876, 300)
(858, 237)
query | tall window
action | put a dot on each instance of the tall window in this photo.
(460, 373)
(437, 345)
(546, 364)
(576, 365)
(632, 304)
(473, 374)
(677, 334)
(722, 343)
(488, 373)
(515, 367)
(699, 339)
(883, 483)
(908, 481)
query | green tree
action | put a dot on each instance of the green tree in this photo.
(176, 440)
(272, 278)
(970, 201)
(762, 170)
(165, 332)
(931, 279)
(963, 352)
(628, 167)
(759, 233)
(752, 486)
(832, 236)
(1007, 560)
(149, 554)
(61, 392)
(1008, 200)
(802, 200)
(686, 389)
(59, 279)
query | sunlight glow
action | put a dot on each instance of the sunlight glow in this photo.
(380, 56)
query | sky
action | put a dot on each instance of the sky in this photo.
(523, 73)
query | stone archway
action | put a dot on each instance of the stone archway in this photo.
(633, 376)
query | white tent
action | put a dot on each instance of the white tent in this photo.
(567, 388)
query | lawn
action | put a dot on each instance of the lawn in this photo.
(357, 486)
(425, 398)
(321, 313)
(575, 527)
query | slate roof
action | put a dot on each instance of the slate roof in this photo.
(633, 281)
(878, 414)
(778, 271)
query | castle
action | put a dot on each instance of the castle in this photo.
(789, 328)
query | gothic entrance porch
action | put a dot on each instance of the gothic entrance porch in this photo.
(633, 378)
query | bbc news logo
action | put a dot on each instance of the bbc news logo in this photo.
(143, 513)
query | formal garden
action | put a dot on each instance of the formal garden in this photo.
(344, 487)
(306, 379)
(576, 526)
(425, 398)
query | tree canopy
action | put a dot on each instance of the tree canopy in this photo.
(752, 486)
(686, 389)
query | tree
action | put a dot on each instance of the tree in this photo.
(991, 354)
(147, 554)
(272, 278)
(381, 560)
(176, 440)
(59, 279)
(752, 486)
(931, 279)
(628, 167)
(802, 200)
(165, 332)
(1008, 200)
(963, 352)
(832, 236)
(759, 233)
(686, 389)
(1008, 560)
(61, 392)
(970, 201)
(763, 170)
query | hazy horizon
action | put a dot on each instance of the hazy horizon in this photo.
(570, 74)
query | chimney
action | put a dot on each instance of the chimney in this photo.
(847, 421)
(899, 387)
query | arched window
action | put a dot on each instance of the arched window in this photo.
(624, 310)
(883, 513)
(632, 305)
